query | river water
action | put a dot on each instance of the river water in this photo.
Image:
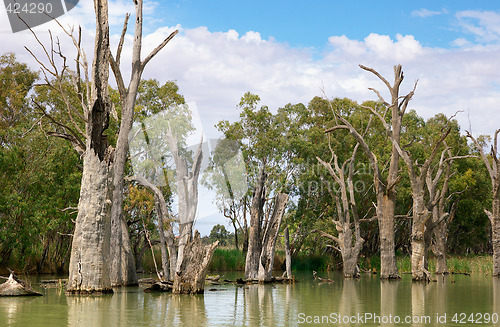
(450, 301)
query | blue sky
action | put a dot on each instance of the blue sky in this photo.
(310, 23)
(291, 51)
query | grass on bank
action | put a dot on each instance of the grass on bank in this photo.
(227, 259)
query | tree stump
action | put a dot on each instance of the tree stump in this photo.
(15, 287)
(190, 278)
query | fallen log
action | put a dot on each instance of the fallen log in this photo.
(53, 283)
(159, 287)
(323, 280)
(16, 287)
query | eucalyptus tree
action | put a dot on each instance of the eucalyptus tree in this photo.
(266, 142)
(347, 221)
(226, 175)
(39, 178)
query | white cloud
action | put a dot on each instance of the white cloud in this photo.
(428, 13)
(214, 69)
(484, 25)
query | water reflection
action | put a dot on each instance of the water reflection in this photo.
(388, 299)
(263, 305)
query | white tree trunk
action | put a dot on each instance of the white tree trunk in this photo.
(266, 261)
(190, 278)
(254, 241)
(89, 263)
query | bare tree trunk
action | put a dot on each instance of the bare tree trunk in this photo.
(385, 190)
(89, 263)
(350, 265)
(190, 278)
(440, 238)
(288, 255)
(418, 248)
(495, 226)
(269, 238)
(385, 207)
(254, 242)
(123, 270)
(163, 243)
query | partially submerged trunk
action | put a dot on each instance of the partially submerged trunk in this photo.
(494, 216)
(190, 278)
(123, 270)
(165, 264)
(266, 260)
(90, 263)
(288, 255)
(256, 212)
(418, 245)
(123, 267)
(346, 209)
(14, 287)
(439, 248)
(388, 267)
(385, 188)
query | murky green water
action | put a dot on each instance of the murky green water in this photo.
(364, 302)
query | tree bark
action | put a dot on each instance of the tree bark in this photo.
(440, 238)
(123, 270)
(163, 243)
(89, 263)
(385, 207)
(266, 261)
(495, 226)
(190, 278)
(418, 244)
(288, 255)
(254, 242)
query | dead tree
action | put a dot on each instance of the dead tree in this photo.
(191, 273)
(89, 264)
(492, 164)
(187, 192)
(123, 266)
(441, 216)
(256, 213)
(385, 188)
(348, 247)
(15, 287)
(120, 254)
(167, 239)
(263, 232)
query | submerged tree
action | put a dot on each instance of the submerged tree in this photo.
(103, 164)
(161, 159)
(347, 211)
(266, 148)
(385, 188)
(89, 264)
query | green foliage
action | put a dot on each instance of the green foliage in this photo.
(227, 260)
(39, 178)
(219, 233)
